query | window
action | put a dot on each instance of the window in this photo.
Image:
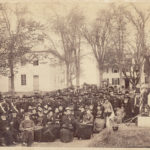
(107, 81)
(36, 83)
(35, 63)
(115, 70)
(23, 79)
(115, 81)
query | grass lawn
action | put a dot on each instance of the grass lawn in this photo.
(125, 137)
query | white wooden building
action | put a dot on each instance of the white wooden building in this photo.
(45, 73)
(38, 75)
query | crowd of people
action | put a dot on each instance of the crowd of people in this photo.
(64, 114)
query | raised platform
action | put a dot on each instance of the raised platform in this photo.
(143, 121)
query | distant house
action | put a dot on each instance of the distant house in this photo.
(112, 76)
(42, 73)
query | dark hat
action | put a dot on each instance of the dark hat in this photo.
(26, 114)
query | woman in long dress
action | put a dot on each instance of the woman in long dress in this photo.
(99, 121)
(108, 113)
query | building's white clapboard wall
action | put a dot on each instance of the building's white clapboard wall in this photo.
(51, 77)
(4, 84)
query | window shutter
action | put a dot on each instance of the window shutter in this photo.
(35, 63)
(118, 81)
(23, 79)
(112, 81)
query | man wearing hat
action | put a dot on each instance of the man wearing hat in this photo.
(5, 130)
(127, 106)
(27, 128)
(66, 132)
(14, 125)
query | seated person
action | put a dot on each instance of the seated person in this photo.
(27, 128)
(67, 129)
(85, 129)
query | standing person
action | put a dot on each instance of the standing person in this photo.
(137, 104)
(5, 133)
(14, 126)
(127, 107)
(99, 121)
(27, 127)
(108, 112)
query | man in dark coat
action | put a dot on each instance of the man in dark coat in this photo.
(14, 126)
(66, 132)
(5, 131)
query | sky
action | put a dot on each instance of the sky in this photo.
(44, 10)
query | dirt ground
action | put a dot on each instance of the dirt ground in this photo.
(58, 143)
(126, 137)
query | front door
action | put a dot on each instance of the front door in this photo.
(36, 83)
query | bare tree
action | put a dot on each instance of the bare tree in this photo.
(119, 36)
(98, 38)
(68, 29)
(76, 20)
(16, 40)
(127, 52)
(139, 47)
(130, 69)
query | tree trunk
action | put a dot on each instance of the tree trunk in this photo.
(100, 77)
(77, 79)
(133, 86)
(120, 73)
(78, 74)
(11, 67)
(12, 86)
(67, 75)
